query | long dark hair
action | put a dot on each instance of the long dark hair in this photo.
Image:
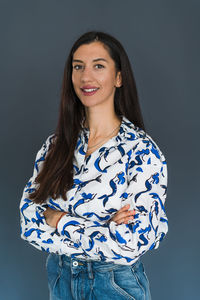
(56, 176)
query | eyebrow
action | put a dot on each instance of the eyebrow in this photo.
(96, 59)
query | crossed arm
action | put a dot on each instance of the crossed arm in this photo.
(52, 216)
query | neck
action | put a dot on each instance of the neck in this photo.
(102, 126)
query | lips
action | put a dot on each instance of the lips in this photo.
(89, 90)
(88, 87)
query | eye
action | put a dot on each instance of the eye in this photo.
(77, 67)
(99, 66)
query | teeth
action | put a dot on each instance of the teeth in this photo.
(89, 90)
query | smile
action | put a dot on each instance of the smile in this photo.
(89, 92)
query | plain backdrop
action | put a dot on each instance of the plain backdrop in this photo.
(162, 41)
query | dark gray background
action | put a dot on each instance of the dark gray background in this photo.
(162, 41)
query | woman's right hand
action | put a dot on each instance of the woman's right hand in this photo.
(123, 215)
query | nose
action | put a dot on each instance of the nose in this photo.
(86, 74)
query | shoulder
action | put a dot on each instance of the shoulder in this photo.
(49, 140)
(46, 146)
(143, 146)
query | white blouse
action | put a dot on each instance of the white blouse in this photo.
(128, 169)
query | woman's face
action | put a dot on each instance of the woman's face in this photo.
(93, 75)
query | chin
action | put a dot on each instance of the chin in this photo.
(91, 103)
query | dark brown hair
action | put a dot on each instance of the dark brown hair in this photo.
(56, 176)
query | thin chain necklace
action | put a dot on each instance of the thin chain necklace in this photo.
(104, 138)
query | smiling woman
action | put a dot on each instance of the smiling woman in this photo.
(95, 201)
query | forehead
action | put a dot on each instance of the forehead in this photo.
(91, 51)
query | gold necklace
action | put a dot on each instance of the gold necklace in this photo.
(104, 138)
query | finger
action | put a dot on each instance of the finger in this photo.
(122, 216)
(126, 207)
(129, 219)
(123, 220)
(125, 214)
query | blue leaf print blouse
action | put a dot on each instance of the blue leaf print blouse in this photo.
(128, 169)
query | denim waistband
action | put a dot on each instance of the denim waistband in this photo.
(98, 265)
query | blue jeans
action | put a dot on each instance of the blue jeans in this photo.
(77, 279)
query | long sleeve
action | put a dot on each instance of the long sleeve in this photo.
(130, 169)
(33, 227)
(146, 192)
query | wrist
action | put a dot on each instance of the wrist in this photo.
(58, 219)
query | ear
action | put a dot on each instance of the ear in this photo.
(118, 80)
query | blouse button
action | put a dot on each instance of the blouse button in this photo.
(75, 263)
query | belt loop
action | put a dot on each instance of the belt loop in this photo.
(89, 267)
(60, 261)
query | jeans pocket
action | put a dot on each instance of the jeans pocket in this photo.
(126, 283)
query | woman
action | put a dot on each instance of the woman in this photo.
(96, 199)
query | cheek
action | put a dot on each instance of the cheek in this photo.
(75, 79)
(105, 80)
(109, 77)
(108, 82)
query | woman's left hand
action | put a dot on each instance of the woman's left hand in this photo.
(52, 216)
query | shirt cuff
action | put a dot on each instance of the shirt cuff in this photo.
(40, 209)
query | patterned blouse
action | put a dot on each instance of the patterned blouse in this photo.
(128, 169)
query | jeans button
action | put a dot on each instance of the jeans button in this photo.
(75, 263)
